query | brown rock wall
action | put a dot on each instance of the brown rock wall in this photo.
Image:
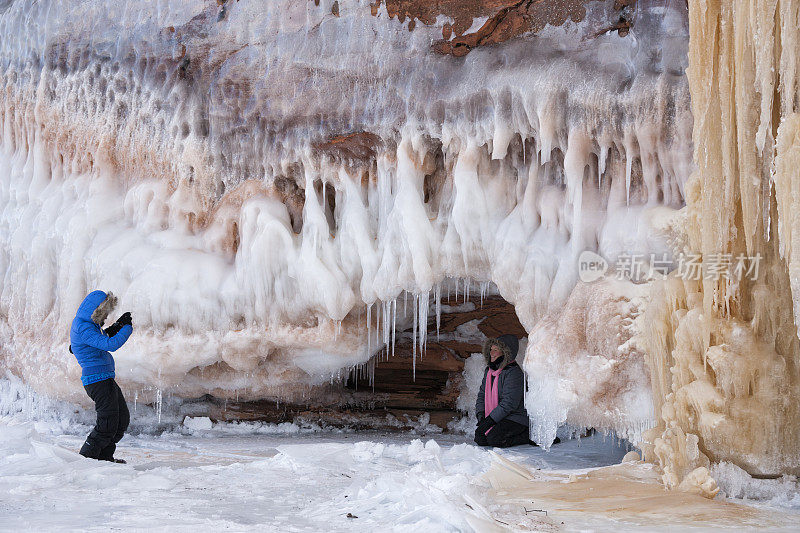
(506, 19)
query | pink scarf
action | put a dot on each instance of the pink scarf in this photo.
(491, 393)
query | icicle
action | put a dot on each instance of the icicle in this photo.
(628, 170)
(601, 164)
(369, 327)
(135, 399)
(424, 300)
(394, 322)
(158, 404)
(438, 299)
(387, 316)
(383, 322)
(378, 326)
(414, 339)
(765, 200)
(372, 374)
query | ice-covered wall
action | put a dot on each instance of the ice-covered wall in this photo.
(724, 350)
(259, 182)
(585, 369)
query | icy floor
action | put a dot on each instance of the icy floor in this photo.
(219, 480)
(291, 483)
(270, 478)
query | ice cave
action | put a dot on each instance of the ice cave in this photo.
(317, 211)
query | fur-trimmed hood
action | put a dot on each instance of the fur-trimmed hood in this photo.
(509, 346)
(97, 306)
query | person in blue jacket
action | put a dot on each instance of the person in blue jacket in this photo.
(91, 346)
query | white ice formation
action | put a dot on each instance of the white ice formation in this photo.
(260, 184)
(724, 351)
(584, 367)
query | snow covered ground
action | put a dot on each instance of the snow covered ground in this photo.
(220, 480)
(202, 483)
(199, 476)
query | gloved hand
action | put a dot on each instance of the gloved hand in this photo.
(113, 329)
(479, 420)
(125, 319)
(485, 425)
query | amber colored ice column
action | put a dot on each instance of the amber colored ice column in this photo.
(723, 350)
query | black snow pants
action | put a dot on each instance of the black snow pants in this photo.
(113, 418)
(504, 434)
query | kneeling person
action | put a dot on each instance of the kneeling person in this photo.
(500, 407)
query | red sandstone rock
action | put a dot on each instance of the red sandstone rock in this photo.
(352, 146)
(506, 18)
(447, 31)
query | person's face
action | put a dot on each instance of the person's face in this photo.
(494, 352)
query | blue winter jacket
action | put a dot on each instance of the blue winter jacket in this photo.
(89, 344)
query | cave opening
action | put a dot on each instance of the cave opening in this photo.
(409, 384)
(409, 388)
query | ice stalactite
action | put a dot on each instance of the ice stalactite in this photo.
(261, 186)
(723, 350)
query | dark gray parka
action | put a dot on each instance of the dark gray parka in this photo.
(511, 384)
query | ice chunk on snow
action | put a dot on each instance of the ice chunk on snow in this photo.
(734, 482)
(197, 423)
(472, 375)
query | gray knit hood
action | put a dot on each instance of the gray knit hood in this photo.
(509, 346)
